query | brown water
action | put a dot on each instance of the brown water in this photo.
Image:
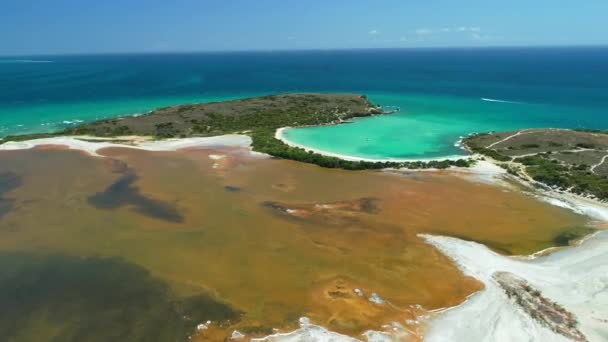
(263, 241)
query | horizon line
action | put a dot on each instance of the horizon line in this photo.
(168, 52)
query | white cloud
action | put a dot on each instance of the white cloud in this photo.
(460, 29)
(485, 37)
(468, 29)
(430, 34)
(426, 31)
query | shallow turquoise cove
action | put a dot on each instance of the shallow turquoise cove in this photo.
(431, 126)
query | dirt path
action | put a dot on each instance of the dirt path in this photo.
(598, 164)
(578, 150)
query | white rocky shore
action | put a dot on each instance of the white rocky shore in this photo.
(309, 332)
(572, 278)
(575, 278)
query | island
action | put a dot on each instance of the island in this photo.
(257, 117)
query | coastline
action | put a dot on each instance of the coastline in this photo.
(582, 205)
(485, 170)
(588, 206)
(91, 144)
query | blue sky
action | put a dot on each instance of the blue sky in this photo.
(95, 26)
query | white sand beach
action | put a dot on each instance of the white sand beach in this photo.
(93, 144)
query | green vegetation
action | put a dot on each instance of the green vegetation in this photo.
(486, 151)
(164, 130)
(585, 130)
(577, 178)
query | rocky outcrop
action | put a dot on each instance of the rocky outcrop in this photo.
(538, 307)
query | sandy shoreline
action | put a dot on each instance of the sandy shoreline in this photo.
(279, 135)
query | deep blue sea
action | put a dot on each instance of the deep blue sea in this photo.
(443, 93)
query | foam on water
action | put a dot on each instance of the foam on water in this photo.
(499, 101)
(72, 122)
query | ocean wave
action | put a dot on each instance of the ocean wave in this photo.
(499, 101)
(15, 61)
(72, 122)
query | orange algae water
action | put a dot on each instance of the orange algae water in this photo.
(249, 243)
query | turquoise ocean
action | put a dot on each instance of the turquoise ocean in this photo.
(442, 94)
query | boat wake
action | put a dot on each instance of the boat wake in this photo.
(499, 101)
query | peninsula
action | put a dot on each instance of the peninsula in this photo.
(563, 160)
(259, 118)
